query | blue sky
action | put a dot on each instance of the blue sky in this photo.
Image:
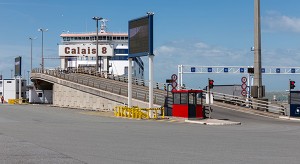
(193, 32)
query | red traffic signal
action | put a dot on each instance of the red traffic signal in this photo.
(210, 84)
(292, 84)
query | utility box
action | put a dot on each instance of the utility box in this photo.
(294, 104)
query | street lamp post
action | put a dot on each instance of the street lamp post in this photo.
(97, 55)
(31, 52)
(42, 30)
(28, 77)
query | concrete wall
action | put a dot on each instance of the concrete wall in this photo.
(75, 95)
(92, 99)
(68, 97)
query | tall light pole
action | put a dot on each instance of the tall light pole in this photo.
(97, 55)
(42, 30)
(28, 77)
(31, 52)
(257, 50)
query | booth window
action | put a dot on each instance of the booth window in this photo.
(192, 98)
(180, 98)
(183, 98)
(40, 94)
(176, 98)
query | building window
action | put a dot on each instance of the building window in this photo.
(40, 94)
(8, 82)
(0, 93)
(121, 51)
(126, 71)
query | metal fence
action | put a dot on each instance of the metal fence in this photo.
(250, 103)
(113, 84)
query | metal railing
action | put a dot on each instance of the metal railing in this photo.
(135, 81)
(112, 84)
(250, 103)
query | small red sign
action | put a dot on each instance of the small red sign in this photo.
(244, 92)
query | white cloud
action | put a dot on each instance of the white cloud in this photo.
(277, 22)
(201, 45)
(166, 49)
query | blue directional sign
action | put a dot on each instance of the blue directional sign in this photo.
(225, 69)
(193, 69)
(209, 69)
(242, 70)
(263, 70)
(293, 70)
(277, 70)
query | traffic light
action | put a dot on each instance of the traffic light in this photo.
(210, 84)
(292, 84)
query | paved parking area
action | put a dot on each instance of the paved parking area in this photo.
(43, 134)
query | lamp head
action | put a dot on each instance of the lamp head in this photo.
(97, 18)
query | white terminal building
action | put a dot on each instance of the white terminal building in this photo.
(78, 50)
(9, 89)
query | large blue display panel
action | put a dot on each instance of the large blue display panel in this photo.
(141, 36)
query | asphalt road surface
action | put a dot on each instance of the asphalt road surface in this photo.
(42, 134)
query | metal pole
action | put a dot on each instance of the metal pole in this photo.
(28, 77)
(257, 49)
(97, 53)
(209, 107)
(97, 42)
(129, 82)
(179, 76)
(20, 90)
(151, 83)
(30, 53)
(42, 30)
(42, 50)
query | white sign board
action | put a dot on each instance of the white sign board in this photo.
(85, 50)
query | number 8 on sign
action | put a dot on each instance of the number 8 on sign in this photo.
(104, 50)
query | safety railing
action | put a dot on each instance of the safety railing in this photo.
(139, 113)
(135, 81)
(250, 103)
